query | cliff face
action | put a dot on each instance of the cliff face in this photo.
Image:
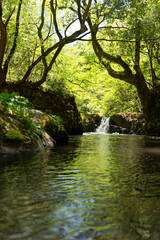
(51, 102)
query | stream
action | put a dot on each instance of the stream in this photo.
(97, 187)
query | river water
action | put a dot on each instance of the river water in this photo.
(100, 187)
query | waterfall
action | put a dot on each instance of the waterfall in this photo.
(104, 126)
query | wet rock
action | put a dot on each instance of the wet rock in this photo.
(127, 123)
(15, 138)
(61, 136)
(51, 126)
(91, 122)
(118, 129)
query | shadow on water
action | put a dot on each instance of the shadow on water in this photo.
(96, 187)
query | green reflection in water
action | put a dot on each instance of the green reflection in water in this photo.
(97, 187)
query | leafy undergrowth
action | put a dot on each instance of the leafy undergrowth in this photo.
(20, 108)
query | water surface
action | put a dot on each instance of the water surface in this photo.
(96, 187)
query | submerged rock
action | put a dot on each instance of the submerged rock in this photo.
(127, 123)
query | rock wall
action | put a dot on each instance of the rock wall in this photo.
(59, 104)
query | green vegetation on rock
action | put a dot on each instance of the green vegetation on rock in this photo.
(21, 108)
(59, 121)
(14, 135)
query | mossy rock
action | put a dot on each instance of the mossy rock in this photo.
(15, 138)
(14, 135)
(50, 125)
(56, 103)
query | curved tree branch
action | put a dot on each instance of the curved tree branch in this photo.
(3, 41)
(106, 58)
(54, 12)
(9, 17)
(65, 40)
(6, 64)
(40, 34)
(46, 70)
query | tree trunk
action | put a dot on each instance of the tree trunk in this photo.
(150, 100)
(2, 78)
(151, 110)
(2, 51)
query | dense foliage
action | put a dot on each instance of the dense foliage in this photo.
(32, 35)
(78, 71)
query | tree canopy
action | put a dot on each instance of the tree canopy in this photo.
(35, 33)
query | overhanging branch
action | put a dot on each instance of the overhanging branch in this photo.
(6, 64)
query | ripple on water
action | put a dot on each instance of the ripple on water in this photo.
(96, 187)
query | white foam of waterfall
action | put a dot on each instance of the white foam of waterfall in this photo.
(104, 126)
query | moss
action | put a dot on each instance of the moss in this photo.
(14, 135)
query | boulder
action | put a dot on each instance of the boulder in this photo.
(91, 122)
(16, 138)
(118, 129)
(52, 102)
(127, 123)
(51, 126)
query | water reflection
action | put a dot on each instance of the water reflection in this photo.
(96, 187)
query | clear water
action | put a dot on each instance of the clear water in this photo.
(101, 187)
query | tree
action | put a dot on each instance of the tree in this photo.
(78, 71)
(52, 35)
(131, 26)
(4, 62)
